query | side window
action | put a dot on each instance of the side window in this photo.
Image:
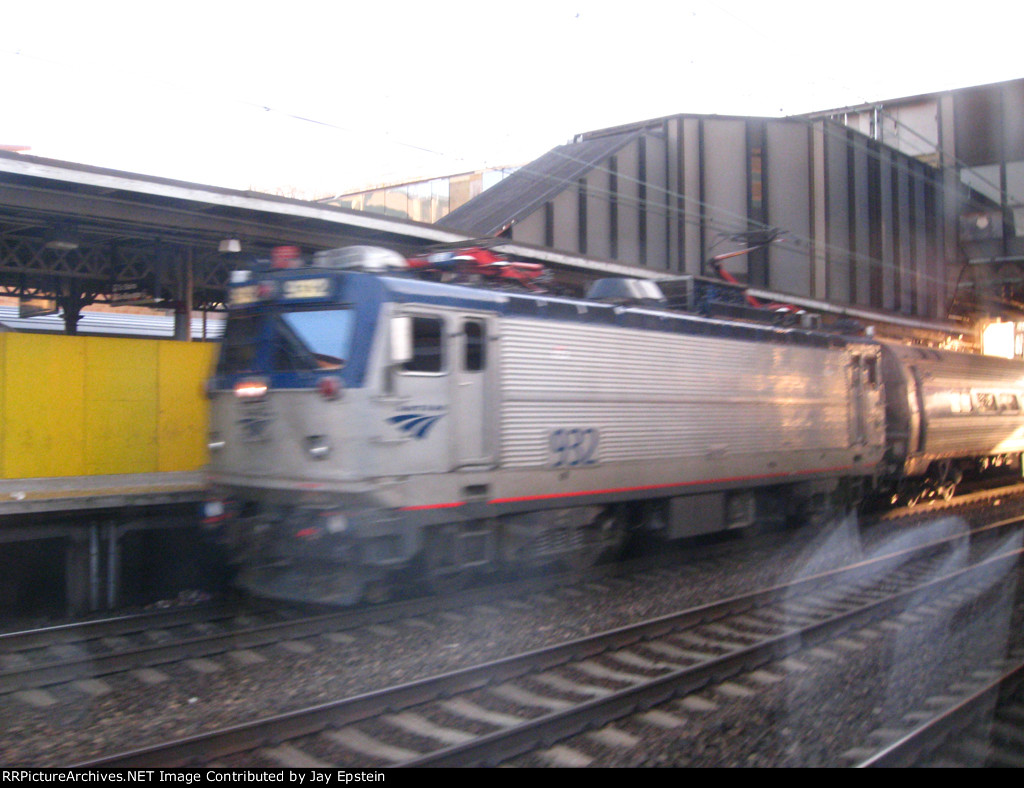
(476, 346)
(985, 402)
(1008, 402)
(871, 367)
(427, 345)
(960, 402)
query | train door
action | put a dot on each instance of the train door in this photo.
(474, 427)
(864, 398)
(419, 414)
(858, 428)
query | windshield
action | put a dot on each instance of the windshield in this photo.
(240, 345)
(308, 339)
(312, 339)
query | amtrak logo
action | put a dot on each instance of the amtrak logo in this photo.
(253, 429)
(415, 425)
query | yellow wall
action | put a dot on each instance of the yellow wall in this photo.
(72, 406)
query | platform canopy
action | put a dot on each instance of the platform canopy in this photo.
(74, 235)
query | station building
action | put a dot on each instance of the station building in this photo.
(912, 207)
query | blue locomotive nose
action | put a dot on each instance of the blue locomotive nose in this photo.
(298, 328)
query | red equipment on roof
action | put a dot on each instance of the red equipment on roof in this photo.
(477, 261)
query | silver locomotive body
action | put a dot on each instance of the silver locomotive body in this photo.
(369, 428)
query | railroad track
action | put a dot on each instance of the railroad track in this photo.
(984, 728)
(33, 660)
(179, 647)
(38, 658)
(129, 624)
(41, 657)
(534, 707)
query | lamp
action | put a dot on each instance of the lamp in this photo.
(62, 238)
(229, 246)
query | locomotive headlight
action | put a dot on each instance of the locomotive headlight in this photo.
(251, 389)
(213, 513)
(335, 522)
(317, 447)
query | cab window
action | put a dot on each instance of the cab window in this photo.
(427, 345)
(476, 347)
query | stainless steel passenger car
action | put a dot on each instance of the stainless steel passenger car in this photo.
(370, 427)
(947, 412)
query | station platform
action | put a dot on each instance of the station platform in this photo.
(94, 483)
(89, 518)
(109, 491)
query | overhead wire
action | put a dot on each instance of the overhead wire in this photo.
(802, 243)
(850, 138)
(375, 135)
(957, 164)
(743, 222)
(879, 106)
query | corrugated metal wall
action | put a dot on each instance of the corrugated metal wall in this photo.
(75, 406)
(864, 222)
(976, 135)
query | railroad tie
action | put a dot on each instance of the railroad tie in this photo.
(524, 697)
(421, 726)
(471, 711)
(359, 742)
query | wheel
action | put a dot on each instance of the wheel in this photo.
(443, 568)
(377, 592)
(600, 540)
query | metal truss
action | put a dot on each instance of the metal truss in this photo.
(29, 268)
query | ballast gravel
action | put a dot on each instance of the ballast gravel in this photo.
(813, 710)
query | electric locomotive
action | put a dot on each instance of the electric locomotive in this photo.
(371, 427)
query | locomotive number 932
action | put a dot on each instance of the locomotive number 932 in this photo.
(373, 423)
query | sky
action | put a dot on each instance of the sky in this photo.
(311, 98)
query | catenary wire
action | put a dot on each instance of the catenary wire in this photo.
(743, 222)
